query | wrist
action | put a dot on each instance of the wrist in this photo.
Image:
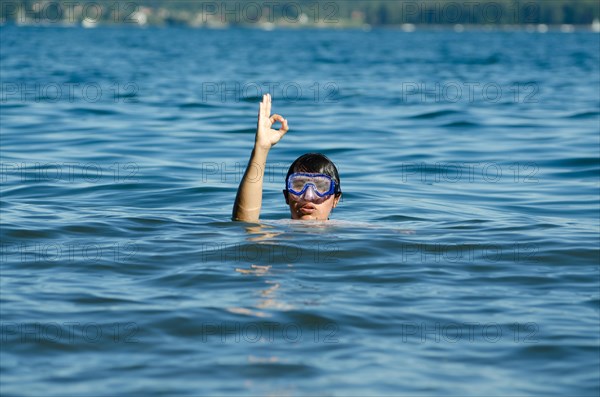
(261, 150)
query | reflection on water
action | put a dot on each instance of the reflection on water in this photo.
(269, 296)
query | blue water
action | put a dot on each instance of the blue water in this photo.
(463, 259)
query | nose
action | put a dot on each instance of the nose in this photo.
(309, 194)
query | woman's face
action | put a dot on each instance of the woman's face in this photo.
(309, 206)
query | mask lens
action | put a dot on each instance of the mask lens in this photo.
(298, 183)
(322, 184)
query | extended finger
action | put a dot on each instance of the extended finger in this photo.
(264, 109)
(260, 108)
(268, 104)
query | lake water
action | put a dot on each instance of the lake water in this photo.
(463, 259)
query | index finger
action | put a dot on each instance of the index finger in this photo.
(284, 127)
(262, 107)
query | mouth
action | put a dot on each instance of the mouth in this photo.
(308, 208)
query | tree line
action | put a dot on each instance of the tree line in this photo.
(344, 12)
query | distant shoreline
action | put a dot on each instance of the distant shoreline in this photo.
(341, 14)
(408, 28)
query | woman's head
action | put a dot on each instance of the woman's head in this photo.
(314, 202)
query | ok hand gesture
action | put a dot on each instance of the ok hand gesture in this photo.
(266, 136)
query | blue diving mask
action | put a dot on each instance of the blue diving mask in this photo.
(312, 187)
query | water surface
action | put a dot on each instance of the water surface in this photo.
(463, 259)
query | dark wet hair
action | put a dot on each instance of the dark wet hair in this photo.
(316, 163)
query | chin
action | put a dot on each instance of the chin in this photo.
(315, 216)
(310, 217)
(306, 217)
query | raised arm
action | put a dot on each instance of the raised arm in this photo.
(249, 195)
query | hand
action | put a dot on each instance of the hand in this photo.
(267, 137)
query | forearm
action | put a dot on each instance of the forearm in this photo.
(248, 200)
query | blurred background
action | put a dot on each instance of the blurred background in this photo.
(462, 260)
(353, 13)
